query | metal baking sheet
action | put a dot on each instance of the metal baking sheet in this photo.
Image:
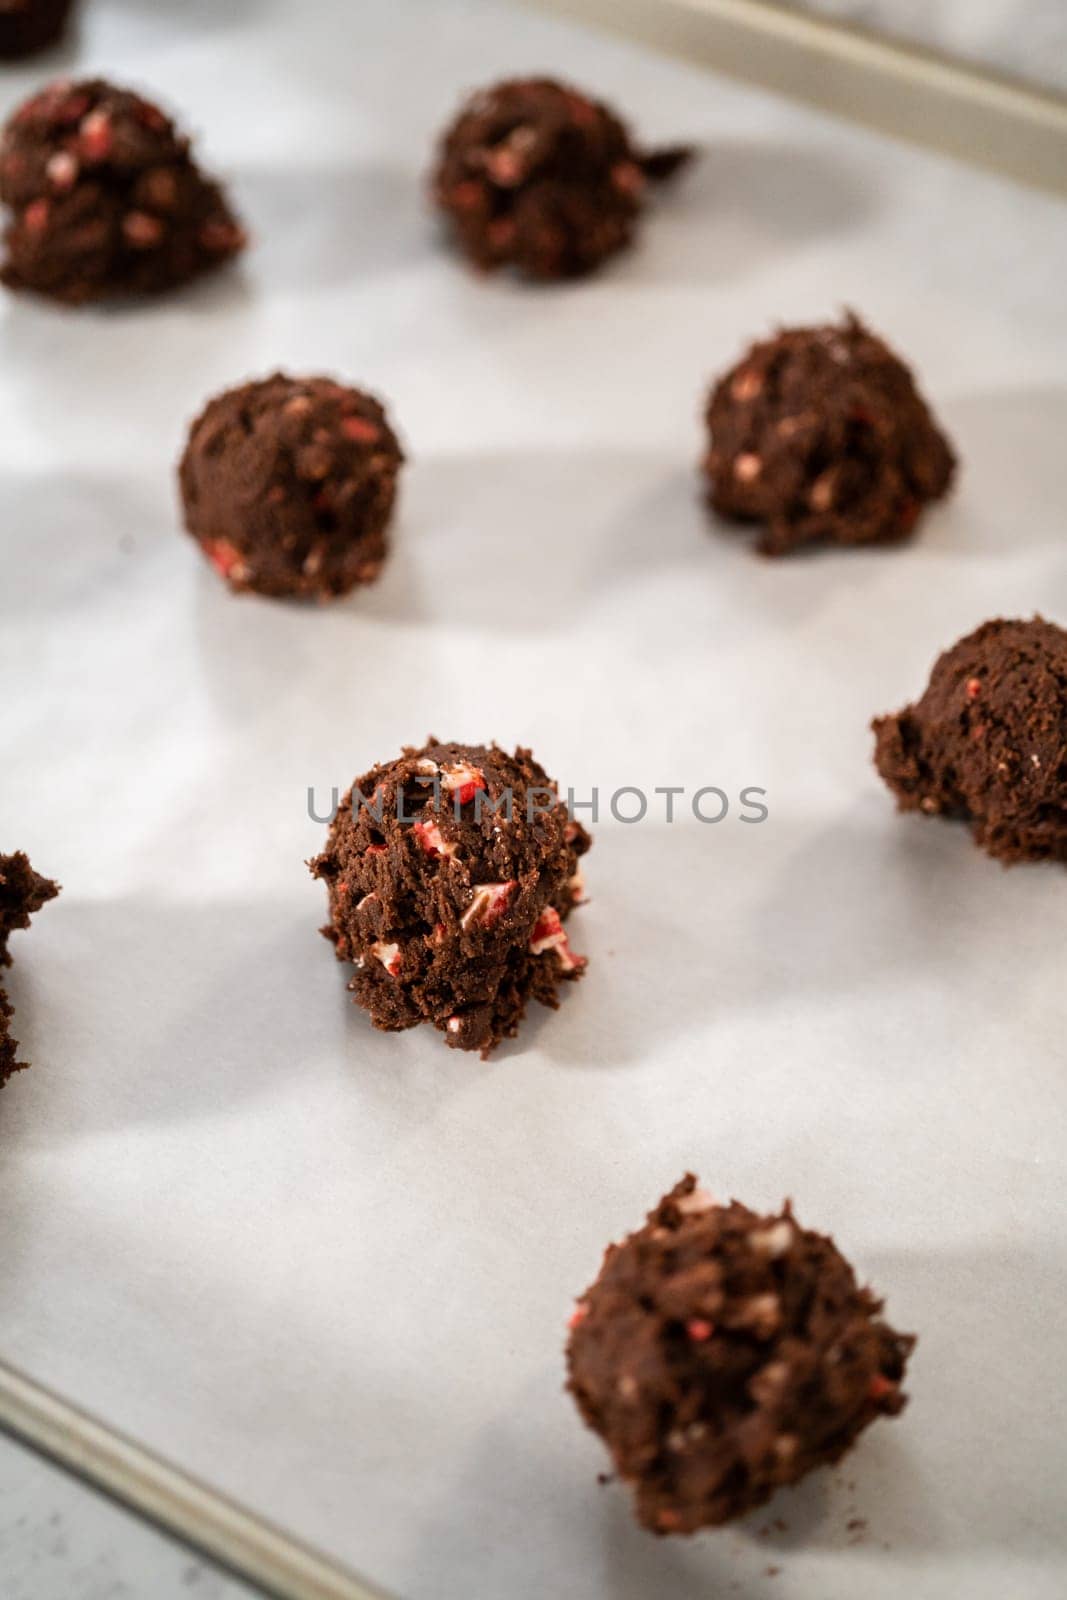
(905, 90)
(327, 1270)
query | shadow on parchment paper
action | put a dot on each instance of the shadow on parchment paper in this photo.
(494, 545)
(762, 919)
(72, 538)
(223, 292)
(882, 898)
(257, 652)
(737, 207)
(318, 227)
(543, 1465)
(792, 591)
(148, 1013)
(1009, 495)
(531, 540)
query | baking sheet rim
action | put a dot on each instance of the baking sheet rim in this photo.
(941, 103)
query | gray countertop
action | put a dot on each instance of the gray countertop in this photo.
(60, 1541)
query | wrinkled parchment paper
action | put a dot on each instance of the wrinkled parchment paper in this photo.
(329, 1269)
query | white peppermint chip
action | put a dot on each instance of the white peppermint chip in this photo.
(461, 774)
(773, 1241)
(388, 955)
(489, 904)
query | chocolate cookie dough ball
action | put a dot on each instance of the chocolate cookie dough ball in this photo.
(987, 742)
(820, 435)
(27, 26)
(534, 175)
(105, 198)
(721, 1355)
(22, 892)
(450, 874)
(288, 485)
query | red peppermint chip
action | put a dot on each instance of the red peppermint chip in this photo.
(463, 780)
(432, 839)
(549, 934)
(36, 216)
(360, 430)
(224, 557)
(490, 902)
(466, 196)
(141, 230)
(96, 139)
(627, 177)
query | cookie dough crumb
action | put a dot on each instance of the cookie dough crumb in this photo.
(288, 486)
(820, 436)
(29, 26)
(22, 892)
(105, 197)
(538, 176)
(987, 742)
(721, 1355)
(449, 874)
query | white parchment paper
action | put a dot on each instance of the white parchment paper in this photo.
(329, 1269)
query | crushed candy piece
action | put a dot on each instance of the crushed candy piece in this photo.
(225, 558)
(463, 781)
(36, 216)
(549, 934)
(433, 840)
(360, 430)
(141, 230)
(775, 1240)
(62, 170)
(388, 955)
(490, 902)
(95, 137)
